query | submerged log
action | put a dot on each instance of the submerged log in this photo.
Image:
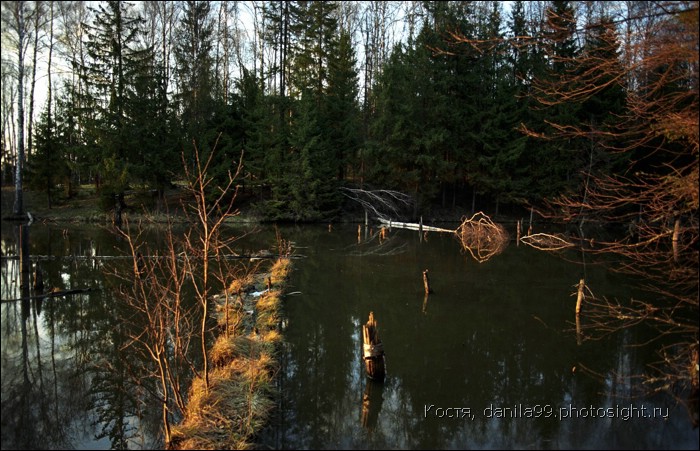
(372, 349)
(479, 234)
(676, 232)
(413, 226)
(54, 293)
(546, 241)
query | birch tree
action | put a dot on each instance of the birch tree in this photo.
(16, 20)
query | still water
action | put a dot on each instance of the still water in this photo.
(490, 359)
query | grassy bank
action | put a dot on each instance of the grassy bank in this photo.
(244, 363)
(85, 206)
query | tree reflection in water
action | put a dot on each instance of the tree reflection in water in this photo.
(66, 383)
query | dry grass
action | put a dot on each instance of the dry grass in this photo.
(241, 283)
(223, 352)
(236, 405)
(240, 396)
(269, 301)
(279, 270)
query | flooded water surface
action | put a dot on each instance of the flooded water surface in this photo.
(490, 359)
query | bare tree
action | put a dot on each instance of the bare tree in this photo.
(17, 18)
(163, 323)
(40, 21)
(378, 37)
(206, 242)
(382, 204)
(657, 194)
(160, 17)
(71, 52)
(7, 126)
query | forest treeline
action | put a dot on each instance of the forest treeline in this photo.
(454, 103)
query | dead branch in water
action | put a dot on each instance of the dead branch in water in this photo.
(412, 226)
(478, 235)
(481, 237)
(546, 242)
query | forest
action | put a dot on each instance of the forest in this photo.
(467, 105)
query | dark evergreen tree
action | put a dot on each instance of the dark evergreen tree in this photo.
(600, 66)
(392, 131)
(517, 103)
(250, 100)
(342, 114)
(80, 150)
(115, 57)
(555, 165)
(152, 126)
(277, 35)
(314, 113)
(312, 181)
(209, 124)
(499, 171)
(428, 103)
(314, 27)
(194, 70)
(47, 167)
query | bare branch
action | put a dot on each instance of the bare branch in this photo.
(382, 204)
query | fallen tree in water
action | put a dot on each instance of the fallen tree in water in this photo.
(478, 235)
(54, 293)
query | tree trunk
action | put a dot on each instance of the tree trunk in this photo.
(30, 126)
(49, 100)
(21, 36)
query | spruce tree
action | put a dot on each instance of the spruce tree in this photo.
(48, 164)
(555, 164)
(342, 114)
(115, 57)
(152, 130)
(194, 70)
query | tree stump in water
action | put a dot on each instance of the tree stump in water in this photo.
(372, 349)
(426, 283)
(580, 296)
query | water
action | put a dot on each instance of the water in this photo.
(495, 339)
(489, 360)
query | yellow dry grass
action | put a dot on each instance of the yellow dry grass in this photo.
(241, 381)
(279, 270)
(241, 283)
(269, 301)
